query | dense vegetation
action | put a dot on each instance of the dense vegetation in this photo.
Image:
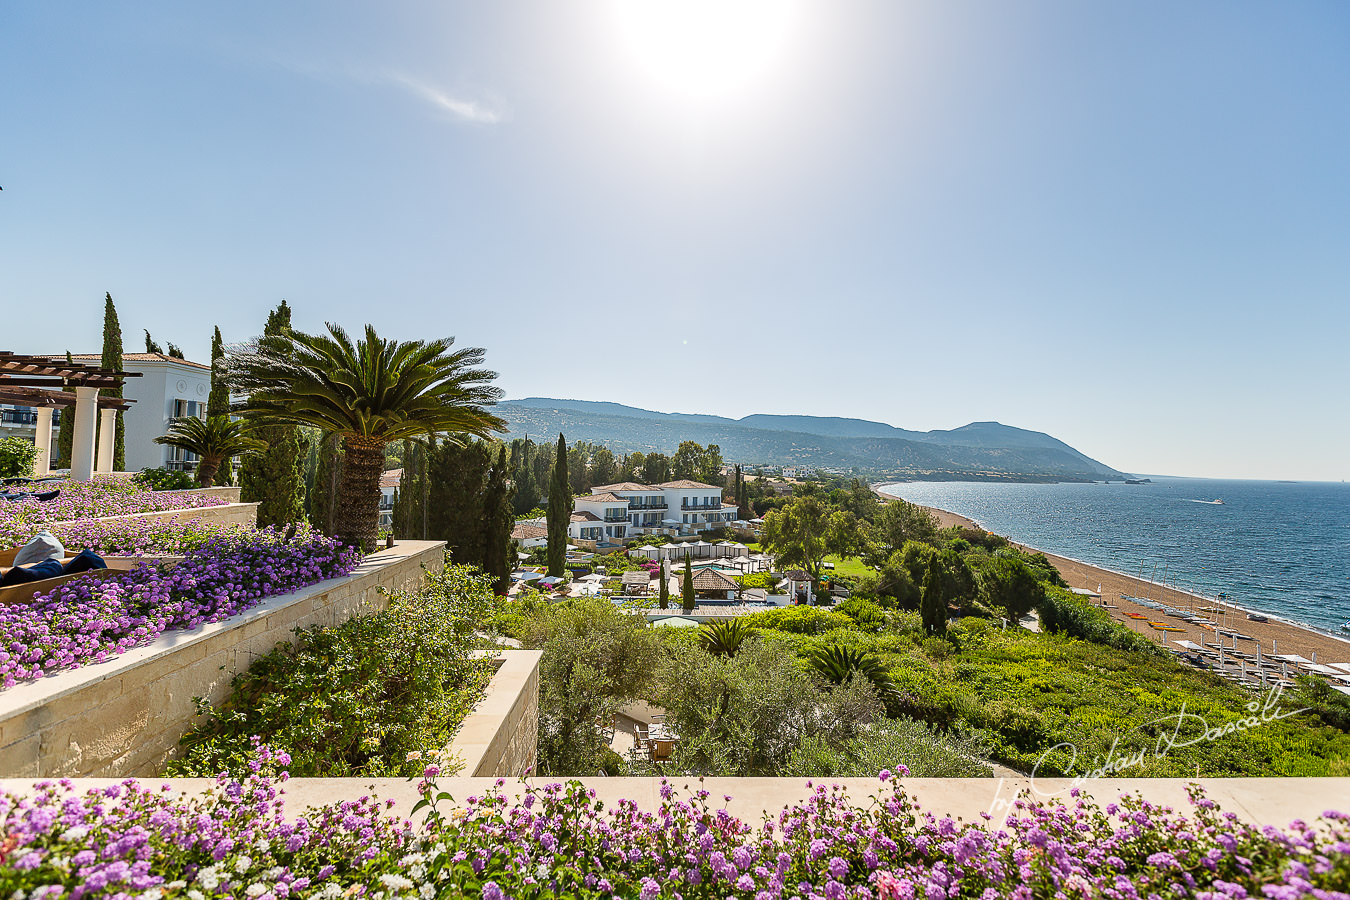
(924, 665)
(378, 695)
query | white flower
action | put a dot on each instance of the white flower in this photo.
(396, 882)
(152, 894)
(75, 834)
(195, 894)
(427, 891)
(331, 891)
(274, 873)
(209, 878)
(411, 859)
(256, 889)
(417, 872)
(263, 845)
(175, 885)
(242, 864)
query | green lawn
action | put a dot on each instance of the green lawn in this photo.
(848, 566)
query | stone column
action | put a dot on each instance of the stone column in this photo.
(107, 437)
(42, 439)
(82, 441)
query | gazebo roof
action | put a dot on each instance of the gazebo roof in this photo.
(712, 580)
(41, 381)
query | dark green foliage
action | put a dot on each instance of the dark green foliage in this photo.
(559, 510)
(469, 506)
(839, 664)
(218, 403)
(900, 521)
(17, 456)
(65, 429)
(597, 657)
(174, 351)
(723, 637)
(1318, 698)
(1063, 612)
(663, 590)
(687, 599)
(275, 478)
(322, 492)
(924, 751)
(150, 344)
(357, 699)
(866, 616)
(933, 604)
(112, 359)
(162, 479)
(798, 620)
(411, 515)
(1009, 584)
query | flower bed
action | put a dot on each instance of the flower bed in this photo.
(109, 496)
(128, 537)
(126, 840)
(90, 619)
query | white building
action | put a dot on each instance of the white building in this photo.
(167, 389)
(674, 507)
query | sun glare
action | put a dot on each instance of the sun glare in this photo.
(706, 49)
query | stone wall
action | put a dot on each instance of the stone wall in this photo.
(124, 716)
(229, 514)
(501, 735)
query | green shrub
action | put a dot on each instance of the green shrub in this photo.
(1062, 611)
(799, 619)
(373, 697)
(162, 479)
(865, 614)
(921, 749)
(17, 457)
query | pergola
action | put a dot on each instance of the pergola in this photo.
(46, 384)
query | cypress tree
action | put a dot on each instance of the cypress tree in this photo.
(112, 359)
(275, 478)
(327, 474)
(65, 431)
(174, 351)
(687, 586)
(218, 402)
(150, 345)
(499, 520)
(559, 511)
(663, 595)
(933, 605)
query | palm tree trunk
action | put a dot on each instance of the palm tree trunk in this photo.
(206, 471)
(358, 502)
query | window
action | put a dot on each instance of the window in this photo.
(185, 408)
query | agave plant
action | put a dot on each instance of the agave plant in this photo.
(837, 664)
(214, 439)
(368, 392)
(724, 637)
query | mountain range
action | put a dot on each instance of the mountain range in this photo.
(978, 451)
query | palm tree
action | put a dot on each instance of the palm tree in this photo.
(838, 664)
(723, 637)
(214, 439)
(368, 393)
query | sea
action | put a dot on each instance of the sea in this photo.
(1281, 548)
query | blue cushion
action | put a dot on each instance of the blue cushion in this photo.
(50, 568)
(87, 560)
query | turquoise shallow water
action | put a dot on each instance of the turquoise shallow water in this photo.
(1281, 548)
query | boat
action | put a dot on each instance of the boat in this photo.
(1257, 617)
(1345, 626)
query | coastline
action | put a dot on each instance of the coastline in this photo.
(1276, 636)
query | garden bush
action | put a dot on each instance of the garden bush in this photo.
(921, 749)
(17, 457)
(162, 479)
(370, 697)
(799, 619)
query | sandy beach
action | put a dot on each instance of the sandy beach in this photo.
(1273, 636)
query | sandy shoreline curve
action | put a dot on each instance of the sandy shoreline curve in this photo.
(1276, 636)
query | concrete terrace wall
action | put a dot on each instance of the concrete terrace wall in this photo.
(1260, 801)
(124, 716)
(501, 735)
(230, 514)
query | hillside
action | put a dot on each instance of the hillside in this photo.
(980, 450)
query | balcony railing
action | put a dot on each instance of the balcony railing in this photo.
(632, 504)
(698, 507)
(613, 519)
(18, 417)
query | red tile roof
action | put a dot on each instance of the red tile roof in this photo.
(687, 485)
(135, 357)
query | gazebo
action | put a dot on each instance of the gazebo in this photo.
(46, 384)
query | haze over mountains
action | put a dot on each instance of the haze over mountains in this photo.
(980, 450)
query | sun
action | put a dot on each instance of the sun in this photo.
(705, 49)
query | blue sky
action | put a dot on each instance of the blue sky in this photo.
(1125, 224)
